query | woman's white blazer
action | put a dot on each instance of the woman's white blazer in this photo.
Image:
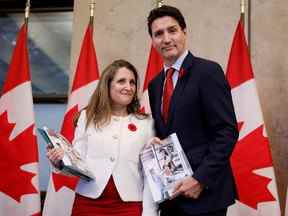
(114, 150)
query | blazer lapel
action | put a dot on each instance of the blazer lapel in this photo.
(184, 74)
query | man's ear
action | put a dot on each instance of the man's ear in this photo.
(185, 31)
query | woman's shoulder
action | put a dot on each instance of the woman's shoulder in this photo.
(145, 120)
(142, 116)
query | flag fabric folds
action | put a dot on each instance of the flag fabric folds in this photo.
(154, 66)
(19, 188)
(60, 193)
(251, 159)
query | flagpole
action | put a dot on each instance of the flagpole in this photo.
(27, 11)
(159, 3)
(92, 6)
(242, 17)
(242, 11)
(249, 23)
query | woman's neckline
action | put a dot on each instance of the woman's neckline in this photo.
(120, 116)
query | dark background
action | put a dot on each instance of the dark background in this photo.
(36, 5)
(49, 81)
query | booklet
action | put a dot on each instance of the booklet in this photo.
(72, 163)
(164, 165)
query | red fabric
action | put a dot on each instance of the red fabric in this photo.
(86, 72)
(252, 151)
(18, 71)
(87, 67)
(109, 203)
(239, 68)
(167, 93)
(18, 142)
(59, 200)
(154, 66)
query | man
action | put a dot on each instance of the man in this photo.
(192, 98)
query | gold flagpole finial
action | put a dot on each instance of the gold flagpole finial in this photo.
(160, 3)
(242, 6)
(242, 11)
(92, 6)
(27, 10)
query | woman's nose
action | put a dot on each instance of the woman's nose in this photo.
(128, 86)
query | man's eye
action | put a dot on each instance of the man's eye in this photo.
(173, 30)
(157, 34)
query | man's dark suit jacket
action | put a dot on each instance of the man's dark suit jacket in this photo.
(202, 115)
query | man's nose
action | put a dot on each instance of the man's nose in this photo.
(166, 37)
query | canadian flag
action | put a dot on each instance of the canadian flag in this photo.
(60, 193)
(19, 190)
(154, 66)
(251, 159)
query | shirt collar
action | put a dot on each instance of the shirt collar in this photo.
(177, 65)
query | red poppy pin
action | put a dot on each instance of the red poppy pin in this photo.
(132, 127)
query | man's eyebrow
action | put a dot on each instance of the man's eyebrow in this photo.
(172, 26)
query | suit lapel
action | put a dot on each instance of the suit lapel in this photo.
(182, 81)
(158, 98)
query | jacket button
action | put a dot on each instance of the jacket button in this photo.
(112, 159)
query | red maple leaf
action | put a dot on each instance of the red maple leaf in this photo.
(60, 181)
(252, 153)
(14, 154)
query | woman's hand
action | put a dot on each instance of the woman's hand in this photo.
(55, 155)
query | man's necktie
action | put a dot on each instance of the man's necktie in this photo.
(167, 94)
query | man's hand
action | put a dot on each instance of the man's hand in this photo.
(154, 141)
(189, 187)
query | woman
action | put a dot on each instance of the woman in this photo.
(109, 136)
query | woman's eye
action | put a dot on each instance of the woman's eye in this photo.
(121, 81)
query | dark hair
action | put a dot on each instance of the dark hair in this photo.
(163, 11)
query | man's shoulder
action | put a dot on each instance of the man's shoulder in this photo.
(206, 66)
(206, 62)
(199, 63)
(156, 79)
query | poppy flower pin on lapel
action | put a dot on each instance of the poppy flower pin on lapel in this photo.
(132, 127)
